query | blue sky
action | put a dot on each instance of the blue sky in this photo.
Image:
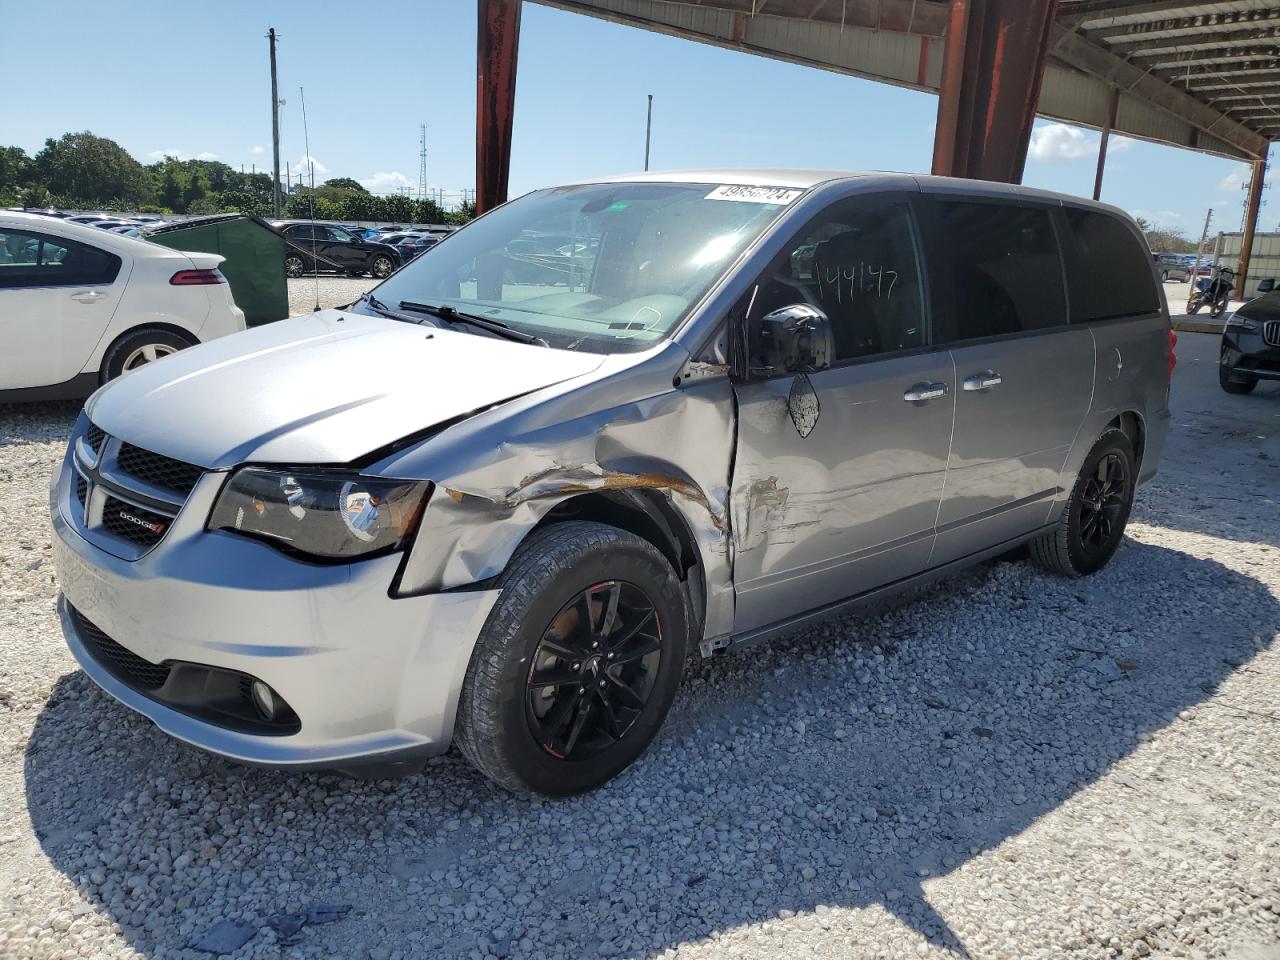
(192, 79)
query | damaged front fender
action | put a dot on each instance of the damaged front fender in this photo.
(498, 475)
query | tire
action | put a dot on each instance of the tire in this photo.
(381, 266)
(1065, 549)
(1216, 308)
(294, 266)
(1164, 276)
(1194, 305)
(1235, 385)
(499, 728)
(138, 348)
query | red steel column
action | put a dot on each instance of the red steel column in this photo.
(1113, 104)
(992, 66)
(497, 43)
(1250, 224)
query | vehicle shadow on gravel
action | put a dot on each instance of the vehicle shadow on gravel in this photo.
(840, 767)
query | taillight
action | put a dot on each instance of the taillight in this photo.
(196, 278)
(1173, 360)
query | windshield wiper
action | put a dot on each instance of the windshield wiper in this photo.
(381, 308)
(450, 315)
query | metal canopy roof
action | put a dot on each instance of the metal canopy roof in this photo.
(1201, 75)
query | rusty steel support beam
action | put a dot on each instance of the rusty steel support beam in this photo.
(497, 43)
(1113, 105)
(1250, 224)
(992, 66)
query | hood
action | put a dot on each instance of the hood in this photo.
(324, 388)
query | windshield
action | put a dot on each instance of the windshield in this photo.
(605, 268)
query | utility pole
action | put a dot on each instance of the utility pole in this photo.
(422, 164)
(275, 128)
(648, 128)
(1204, 236)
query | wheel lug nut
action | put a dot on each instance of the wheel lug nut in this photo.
(577, 666)
(582, 689)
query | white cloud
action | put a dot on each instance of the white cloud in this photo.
(301, 164)
(257, 151)
(1234, 181)
(181, 154)
(1058, 142)
(1158, 217)
(392, 182)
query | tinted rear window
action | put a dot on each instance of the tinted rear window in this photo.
(1113, 275)
(1005, 270)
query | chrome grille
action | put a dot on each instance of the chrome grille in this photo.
(161, 471)
(1271, 333)
(125, 665)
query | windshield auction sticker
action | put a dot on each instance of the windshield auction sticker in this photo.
(744, 194)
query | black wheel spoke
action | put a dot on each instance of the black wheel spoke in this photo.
(579, 724)
(560, 676)
(613, 725)
(624, 693)
(636, 652)
(622, 637)
(558, 716)
(609, 612)
(566, 648)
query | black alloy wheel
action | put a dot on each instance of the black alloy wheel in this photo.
(1103, 501)
(594, 670)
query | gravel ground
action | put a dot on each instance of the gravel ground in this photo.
(1012, 766)
(328, 291)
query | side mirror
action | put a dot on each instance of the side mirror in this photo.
(1267, 285)
(799, 336)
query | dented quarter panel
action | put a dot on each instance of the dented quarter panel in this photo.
(626, 427)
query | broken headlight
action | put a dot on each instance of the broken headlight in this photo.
(328, 516)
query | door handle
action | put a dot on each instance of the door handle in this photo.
(87, 296)
(983, 381)
(923, 392)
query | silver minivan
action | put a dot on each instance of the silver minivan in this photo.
(496, 501)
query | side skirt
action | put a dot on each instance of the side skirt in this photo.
(77, 388)
(862, 601)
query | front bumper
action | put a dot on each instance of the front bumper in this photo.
(371, 678)
(1245, 354)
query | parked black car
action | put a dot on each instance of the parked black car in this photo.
(330, 247)
(1251, 344)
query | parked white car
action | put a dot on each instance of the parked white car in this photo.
(81, 306)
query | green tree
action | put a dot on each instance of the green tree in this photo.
(399, 209)
(345, 183)
(91, 168)
(428, 211)
(363, 206)
(196, 188)
(465, 213)
(15, 167)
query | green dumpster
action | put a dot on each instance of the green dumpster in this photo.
(254, 265)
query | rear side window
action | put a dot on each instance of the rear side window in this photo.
(1005, 269)
(1112, 277)
(29, 259)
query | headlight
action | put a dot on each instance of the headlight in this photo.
(1237, 322)
(331, 516)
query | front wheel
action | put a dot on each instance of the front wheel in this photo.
(1093, 522)
(1164, 276)
(578, 663)
(1194, 305)
(381, 267)
(1232, 385)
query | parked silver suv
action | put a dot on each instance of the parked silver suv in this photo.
(495, 501)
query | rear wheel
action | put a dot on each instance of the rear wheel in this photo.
(293, 265)
(137, 349)
(1164, 276)
(577, 664)
(1093, 522)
